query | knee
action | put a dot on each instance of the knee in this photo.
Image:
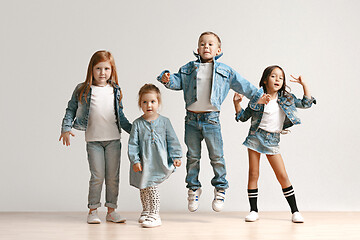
(253, 176)
(282, 178)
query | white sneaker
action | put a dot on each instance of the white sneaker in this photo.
(143, 216)
(219, 200)
(252, 217)
(297, 218)
(193, 199)
(152, 221)
(93, 218)
(115, 217)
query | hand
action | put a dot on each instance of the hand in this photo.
(65, 136)
(137, 167)
(265, 99)
(237, 98)
(165, 77)
(299, 80)
(177, 162)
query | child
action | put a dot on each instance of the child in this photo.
(154, 152)
(264, 135)
(205, 83)
(96, 108)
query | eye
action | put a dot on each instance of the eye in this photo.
(153, 101)
(144, 101)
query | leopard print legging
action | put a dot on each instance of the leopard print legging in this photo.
(150, 200)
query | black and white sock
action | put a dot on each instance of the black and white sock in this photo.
(253, 194)
(290, 197)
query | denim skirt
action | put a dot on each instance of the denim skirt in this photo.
(263, 141)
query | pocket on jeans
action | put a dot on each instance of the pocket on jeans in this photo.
(213, 121)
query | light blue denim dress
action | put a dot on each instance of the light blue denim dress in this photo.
(155, 145)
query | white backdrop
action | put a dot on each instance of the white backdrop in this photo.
(45, 49)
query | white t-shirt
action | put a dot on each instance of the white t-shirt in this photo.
(203, 89)
(273, 117)
(102, 120)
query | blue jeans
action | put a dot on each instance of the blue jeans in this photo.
(104, 164)
(199, 126)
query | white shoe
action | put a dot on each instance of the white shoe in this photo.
(115, 217)
(219, 200)
(152, 221)
(297, 218)
(93, 218)
(193, 199)
(252, 217)
(143, 216)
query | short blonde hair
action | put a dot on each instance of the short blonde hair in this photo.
(211, 33)
(147, 88)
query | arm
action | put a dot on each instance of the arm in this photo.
(124, 122)
(240, 114)
(171, 81)
(173, 144)
(134, 149)
(307, 99)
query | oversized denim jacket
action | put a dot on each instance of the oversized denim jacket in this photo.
(288, 105)
(77, 114)
(224, 79)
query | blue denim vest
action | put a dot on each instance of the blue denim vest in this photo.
(288, 105)
(224, 78)
(77, 114)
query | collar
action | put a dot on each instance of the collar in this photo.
(199, 59)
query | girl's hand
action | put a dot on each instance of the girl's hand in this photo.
(237, 98)
(299, 80)
(265, 99)
(65, 136)
(137, 167)
(177, 162)
(165, 77)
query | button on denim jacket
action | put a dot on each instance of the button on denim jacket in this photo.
(77, 114)
(288, 105)
(224, 78)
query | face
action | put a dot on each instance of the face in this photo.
(208, 47)
(275, 81)
(149, 104)
(101, 73)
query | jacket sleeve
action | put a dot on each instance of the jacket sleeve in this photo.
(124, 122)
(174, 83)
(173, 144)
(243, 86)
(133, 145)
(70, 112)
(305, 102)
(244, 115)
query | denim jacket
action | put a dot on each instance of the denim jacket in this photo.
(224, 78)
(288, 105)
(77, 114)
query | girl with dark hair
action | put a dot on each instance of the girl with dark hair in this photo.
(267, 122)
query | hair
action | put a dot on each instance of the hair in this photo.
(211, 33)
(147, 88)
(97, 57)
(265, 76)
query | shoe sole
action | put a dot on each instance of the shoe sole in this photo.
(248, 220)
(121, 221)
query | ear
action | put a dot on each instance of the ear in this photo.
(198, 51)
(218, 51)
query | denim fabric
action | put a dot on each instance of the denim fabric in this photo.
(155, 145)
(77, 114)
(199, 126)
(104, 164)
(224, 79)
(263, 142)
(287, 104)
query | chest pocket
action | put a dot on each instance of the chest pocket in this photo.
(223, 73)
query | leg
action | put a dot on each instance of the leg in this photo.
(193, 138)
(97, 169)
(112, 169)
(254, 165)
(153, 219)
(145, 202)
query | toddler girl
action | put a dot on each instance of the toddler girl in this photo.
(267, 121)
(154, 152)
(96, 108)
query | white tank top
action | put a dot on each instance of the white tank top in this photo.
(273, 117)
(102, 120)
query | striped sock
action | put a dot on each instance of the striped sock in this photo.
(290, 197)
(253, 194)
